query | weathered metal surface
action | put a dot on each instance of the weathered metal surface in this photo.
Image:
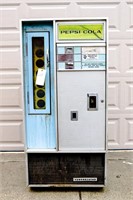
(66, 168)
(39, 123)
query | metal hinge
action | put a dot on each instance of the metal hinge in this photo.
(26, 49)
(28, 98)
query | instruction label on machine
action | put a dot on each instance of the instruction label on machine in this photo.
(93, 57)
(81, 58)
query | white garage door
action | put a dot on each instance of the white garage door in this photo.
(120, 89)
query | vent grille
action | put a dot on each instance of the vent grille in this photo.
(64, 168)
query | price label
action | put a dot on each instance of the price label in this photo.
(41, 75)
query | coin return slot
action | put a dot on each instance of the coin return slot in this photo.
(74, 116)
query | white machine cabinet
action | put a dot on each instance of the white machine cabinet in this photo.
(77, 92)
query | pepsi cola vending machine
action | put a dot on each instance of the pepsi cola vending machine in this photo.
(65, 101)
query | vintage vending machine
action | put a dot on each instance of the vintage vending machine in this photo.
(65, 101)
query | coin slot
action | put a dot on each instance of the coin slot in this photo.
(92, 102)
(74, 116)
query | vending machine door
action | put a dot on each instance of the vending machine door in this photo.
(39, 87)
(81, 123)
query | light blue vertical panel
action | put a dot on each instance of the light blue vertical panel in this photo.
(41, 132)
(40, 125)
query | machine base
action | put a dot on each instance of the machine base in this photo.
(66, 169)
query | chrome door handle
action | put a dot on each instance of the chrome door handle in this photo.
(47, 57)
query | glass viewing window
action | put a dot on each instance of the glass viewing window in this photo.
(39, 98)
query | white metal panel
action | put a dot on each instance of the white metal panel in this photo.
(88, 132)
